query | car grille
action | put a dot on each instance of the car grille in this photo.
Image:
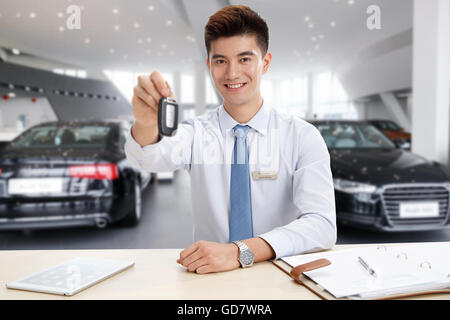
(392, 196)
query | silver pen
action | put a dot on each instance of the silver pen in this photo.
(367, 267)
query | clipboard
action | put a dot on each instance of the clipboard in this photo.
(298, 275)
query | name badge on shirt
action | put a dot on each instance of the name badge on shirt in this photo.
(264, 175)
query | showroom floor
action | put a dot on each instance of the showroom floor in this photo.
(167, 223)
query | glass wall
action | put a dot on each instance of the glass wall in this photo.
(288, 95)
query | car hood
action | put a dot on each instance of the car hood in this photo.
(386, 166)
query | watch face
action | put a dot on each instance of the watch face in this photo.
(247, 257)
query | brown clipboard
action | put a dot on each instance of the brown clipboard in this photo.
(298, 275)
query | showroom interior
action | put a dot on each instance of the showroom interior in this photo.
(350, 67)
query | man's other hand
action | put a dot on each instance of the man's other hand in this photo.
(205, 257)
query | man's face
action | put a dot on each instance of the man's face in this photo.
(236, 65)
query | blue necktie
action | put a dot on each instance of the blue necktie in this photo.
(241, 226)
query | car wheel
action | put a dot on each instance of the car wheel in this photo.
(133, 218)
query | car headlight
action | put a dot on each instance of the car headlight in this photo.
(353, 186)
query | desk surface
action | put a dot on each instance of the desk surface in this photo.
(156, 275)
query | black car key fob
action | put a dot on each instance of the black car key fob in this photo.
(167, 117)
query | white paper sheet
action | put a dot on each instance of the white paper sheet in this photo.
(397, 270)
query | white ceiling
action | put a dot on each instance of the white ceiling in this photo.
(145, 40)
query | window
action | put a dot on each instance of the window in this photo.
(331, 99)
(187, 89)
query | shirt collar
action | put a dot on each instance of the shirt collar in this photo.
(259, 122)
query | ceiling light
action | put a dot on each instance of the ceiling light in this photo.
(169, 22)
(87, 40)
(60, 14)
(18, 15)
(151, 8)
(307, 19)
(117, 27)
(316, 47)
(351, 2)
(332, 24)
(140, 41)
(164, 46)
(61, 28)
(32, 15)
(148, 39)
(311, 25)
(314, 39)
(321, 36)
(136, 25)
(115, 11)
(15, 51)
(112, 51)
(172, 53)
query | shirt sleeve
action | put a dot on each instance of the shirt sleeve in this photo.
(313, 195)
(168, 154)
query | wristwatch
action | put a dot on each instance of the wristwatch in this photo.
(246, 256)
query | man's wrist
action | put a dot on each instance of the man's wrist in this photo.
(235, 249)
(144, 135)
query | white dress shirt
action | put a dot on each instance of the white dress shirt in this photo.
(292, 192)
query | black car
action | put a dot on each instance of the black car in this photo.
(382, 187)
(66, 174)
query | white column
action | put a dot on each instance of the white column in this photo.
(200, 88)
(392, 104)
(430, 112)
(360, 107)
(310, 108)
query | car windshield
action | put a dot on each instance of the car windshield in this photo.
(62, 136)
(353, 136)
(388, 125)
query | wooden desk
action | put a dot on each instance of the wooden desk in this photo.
(156, 275)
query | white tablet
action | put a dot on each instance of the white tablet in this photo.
(71, 277)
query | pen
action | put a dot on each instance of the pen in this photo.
(367, 267)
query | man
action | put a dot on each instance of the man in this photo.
(261, 181)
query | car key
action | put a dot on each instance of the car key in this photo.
(167, 116)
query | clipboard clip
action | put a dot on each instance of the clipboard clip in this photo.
(313, 265)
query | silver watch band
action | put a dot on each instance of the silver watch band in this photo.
(241, 245)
